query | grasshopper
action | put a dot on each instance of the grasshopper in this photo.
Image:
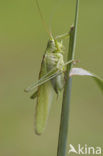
(51, 78)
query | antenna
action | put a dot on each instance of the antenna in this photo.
(42, 19)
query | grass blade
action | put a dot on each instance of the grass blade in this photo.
(83, 72)
(63, 133)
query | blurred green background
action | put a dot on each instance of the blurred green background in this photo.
(22, 44)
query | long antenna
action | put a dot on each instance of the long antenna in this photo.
(43, 20)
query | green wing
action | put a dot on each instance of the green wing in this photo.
(44, 100)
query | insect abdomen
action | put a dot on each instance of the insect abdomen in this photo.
(58, 83)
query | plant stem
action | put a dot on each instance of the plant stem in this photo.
(63, 133)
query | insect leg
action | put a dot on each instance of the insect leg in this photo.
(50, 75)
(71, 61)
(35, 85)
(34, 95)
(41, 80)
(62, 36)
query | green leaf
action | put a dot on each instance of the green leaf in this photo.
(83, 72)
